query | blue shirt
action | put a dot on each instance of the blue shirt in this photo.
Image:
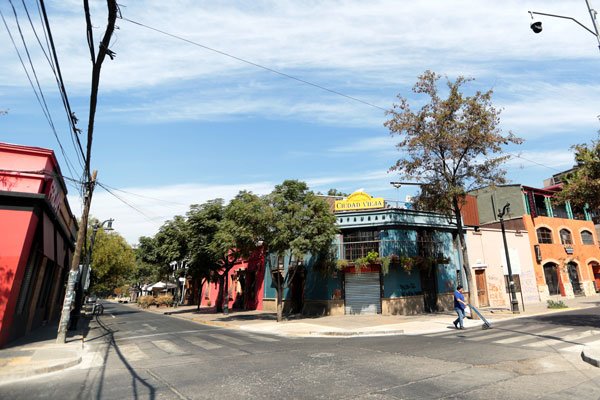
(458, 295)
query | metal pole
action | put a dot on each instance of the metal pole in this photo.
(593, 16)
(514, 303)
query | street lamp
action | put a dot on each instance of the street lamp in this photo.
(536, 26)
(514, 304)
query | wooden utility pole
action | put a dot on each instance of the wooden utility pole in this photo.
(65, 317)
(103, 51)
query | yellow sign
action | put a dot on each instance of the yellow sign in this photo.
(359, 201)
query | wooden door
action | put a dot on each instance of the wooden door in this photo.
(481, 288)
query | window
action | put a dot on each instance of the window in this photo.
(565, 236)
(544, 235)
(540, 205)
(587, 237)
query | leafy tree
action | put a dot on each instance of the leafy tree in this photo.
(450, 145)
(113, 262)
(301, 223)
(221, 236)
(148, 269)
(335, 192)
(582, 185)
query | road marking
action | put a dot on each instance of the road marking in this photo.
(112, 315)
(262, 338)
(229, 339)
(513, 339)
(152, 328)
(168, 346)
(132, 352)
(161, 334)
(486, 336)
(202, 343)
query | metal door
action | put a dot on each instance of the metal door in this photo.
(482, 295)
(551, 275)
(363, 293)
(574, 278)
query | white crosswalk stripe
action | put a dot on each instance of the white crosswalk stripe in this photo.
(229, 339)
(168, 346)
(132, 352)
(262, 338)
(527, 335)
(202, 343)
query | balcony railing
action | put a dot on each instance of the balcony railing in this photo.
(354, 250)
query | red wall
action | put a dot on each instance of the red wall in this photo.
(253, 285)
(15, 247)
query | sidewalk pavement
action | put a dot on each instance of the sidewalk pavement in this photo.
(38, 353)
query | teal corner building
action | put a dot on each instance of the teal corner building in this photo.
(387, 259)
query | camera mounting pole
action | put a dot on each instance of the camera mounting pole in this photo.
(536, 26)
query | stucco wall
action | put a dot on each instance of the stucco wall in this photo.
(486, 251)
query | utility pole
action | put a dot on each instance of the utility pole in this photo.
(514, 303)
(103, 51)
(74, 272)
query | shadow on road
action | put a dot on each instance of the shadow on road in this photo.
(593, 321)
(107, 334)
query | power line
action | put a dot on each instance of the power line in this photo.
(533, 162)
(144, 197)
(255, 64)
(125, 202)
(40, 97)
(61, 86)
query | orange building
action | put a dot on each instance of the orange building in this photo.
(564, 242)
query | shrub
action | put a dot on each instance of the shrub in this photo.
(556, 304)
(145, 301)
(165, 299)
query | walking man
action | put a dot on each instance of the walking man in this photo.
(459, 307)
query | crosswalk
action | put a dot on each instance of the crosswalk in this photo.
(528, 335)
(160, 346)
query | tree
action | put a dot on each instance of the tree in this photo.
(450, 145)
(301, 223)
(335, 192)
(582, 185)
(113, 262)
(221, 236)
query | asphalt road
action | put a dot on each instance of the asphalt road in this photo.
(132, 354)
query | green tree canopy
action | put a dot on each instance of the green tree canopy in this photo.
(113, 262)
(450, 145)
(582, 185)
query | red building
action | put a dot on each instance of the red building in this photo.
(37, 236)
(245, 285)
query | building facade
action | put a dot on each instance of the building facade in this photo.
(563, 243)
(384, 261)
(37, 236)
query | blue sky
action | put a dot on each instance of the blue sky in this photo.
(178, 124)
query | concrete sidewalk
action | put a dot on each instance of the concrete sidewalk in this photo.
(38, 353)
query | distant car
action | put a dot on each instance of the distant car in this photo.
(91, 299)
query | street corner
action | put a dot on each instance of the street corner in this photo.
(591, 354)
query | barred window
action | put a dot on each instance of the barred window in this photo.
(544, 235)
(565, 236)
(587, 237)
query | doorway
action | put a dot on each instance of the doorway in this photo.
(429, 288)
(574, 278)
(551, 275)
(481, 283)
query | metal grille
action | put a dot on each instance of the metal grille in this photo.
(363, 293)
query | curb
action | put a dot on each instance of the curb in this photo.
(358, 334)
(37, 372)
(589, 359)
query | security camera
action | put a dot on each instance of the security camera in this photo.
(536, 26)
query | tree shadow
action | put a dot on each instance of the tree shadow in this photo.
(107, 334)
(592, 321)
